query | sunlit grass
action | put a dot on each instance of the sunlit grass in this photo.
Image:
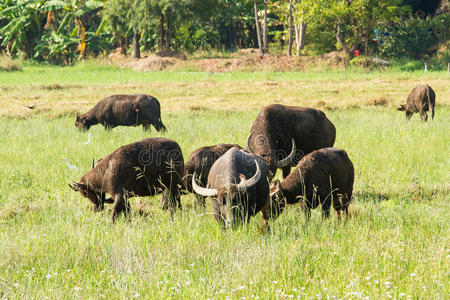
(395, 244)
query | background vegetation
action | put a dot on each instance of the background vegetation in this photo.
(64, 31)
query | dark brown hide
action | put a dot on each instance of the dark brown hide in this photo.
(421, 99)
(276, 126)
(144, 168)
(200, 162)
(123, 110)
(323, 177)
(231, 206)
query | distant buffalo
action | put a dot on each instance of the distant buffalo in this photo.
(143, 168)
(421, 99)
(238, 185)
(279, 128)
(200, 162)
(322, 177)
(123, 110)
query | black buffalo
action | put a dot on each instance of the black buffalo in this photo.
(123, 110)
(323, 177)
(279, 128)
(238, 185)
(143, 168)
(200, 162)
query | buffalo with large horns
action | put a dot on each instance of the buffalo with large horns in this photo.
(279, 128)
(200, 162)
(238, 186)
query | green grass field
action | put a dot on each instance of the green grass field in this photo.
(394, 245)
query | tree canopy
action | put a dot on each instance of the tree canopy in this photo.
(63, 31)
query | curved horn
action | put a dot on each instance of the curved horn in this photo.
(93, 163)
(247, 142)
(288, 160)
(201, 190)
(243, 185)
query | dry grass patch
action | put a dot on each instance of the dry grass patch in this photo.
(9, 65)
(379, 101)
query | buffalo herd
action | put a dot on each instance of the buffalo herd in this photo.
(238, 181)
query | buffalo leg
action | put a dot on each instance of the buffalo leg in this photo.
(338, 204)
(172, 199)
(326, 205)
(121, 204)
(408, 115)
(286, 171)
(423, 115)
(305, 208)
(146, 125)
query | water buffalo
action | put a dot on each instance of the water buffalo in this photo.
(126, 110)
(277, 128)
(421, 99)
(234, 197)
(143, 168)
(200, 162)
(323, 177)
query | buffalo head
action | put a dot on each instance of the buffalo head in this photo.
(82, 122)
(229, 205)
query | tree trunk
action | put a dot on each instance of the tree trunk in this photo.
(258, 28)
(341, 40)
(161, 32)
(265, 30)
(136, 44)
(291, 33)
(168, 29)
(122, 44)
(300, 37)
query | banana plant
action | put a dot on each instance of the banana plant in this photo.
(23, 25)
(73, 11)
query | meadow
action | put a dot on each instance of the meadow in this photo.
(394, 245)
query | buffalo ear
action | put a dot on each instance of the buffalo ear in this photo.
(402, 107)
(77, 186)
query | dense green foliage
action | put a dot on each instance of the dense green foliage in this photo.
(416, 38)
(63, 31)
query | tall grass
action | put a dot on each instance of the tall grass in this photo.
(396, 244)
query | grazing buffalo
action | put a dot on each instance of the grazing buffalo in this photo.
(200, 162)
(421, 99)
(277, 128)
(143, 168)
(238, 185)
(323, 177)
(125, 110)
